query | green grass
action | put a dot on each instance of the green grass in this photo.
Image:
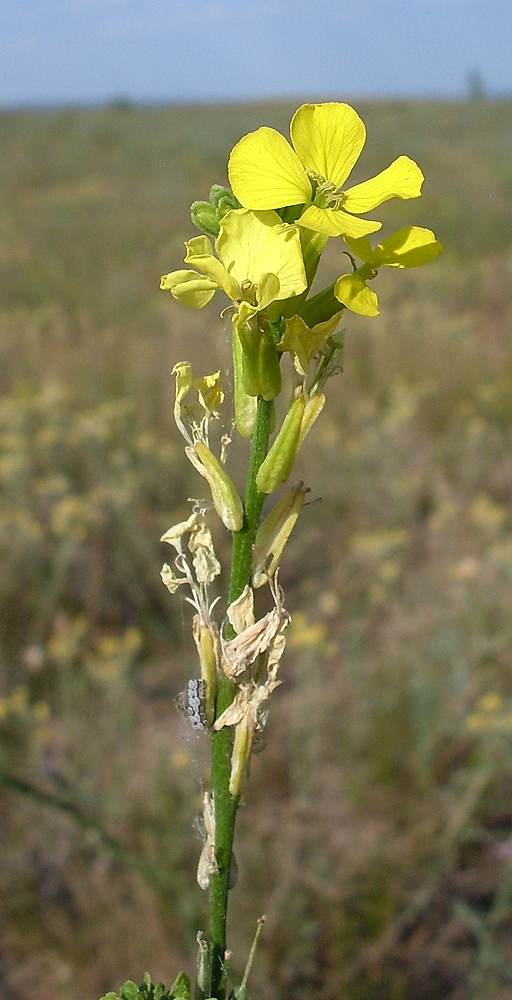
(386, 874)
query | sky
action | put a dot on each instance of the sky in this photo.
(95, 51)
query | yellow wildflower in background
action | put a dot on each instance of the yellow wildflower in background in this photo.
(491, 715)
(305, 633)
(266, 173)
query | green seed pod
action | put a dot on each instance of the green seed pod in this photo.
(204, 971)
(260, 360)
(204, 216)
(225, 498)
(279, 462)
(269, 365)
(247, 333)
(274, 533)
(244, 405)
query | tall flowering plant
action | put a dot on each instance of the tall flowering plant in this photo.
(269, 230)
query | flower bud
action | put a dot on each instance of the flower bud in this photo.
(274, 533)
(204, 216)
(279, 462)
(223, 200)
(225, 498)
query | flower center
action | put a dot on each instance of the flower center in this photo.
(325, 193)
(249, 292)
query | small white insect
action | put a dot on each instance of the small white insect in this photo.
(191, 703)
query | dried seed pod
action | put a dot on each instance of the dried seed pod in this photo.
(274, 533)
(207, 862)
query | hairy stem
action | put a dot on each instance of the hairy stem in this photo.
(221, 742)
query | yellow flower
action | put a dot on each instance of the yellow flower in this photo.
(259, 261)
(304, 342)
(266, 173)
(409, 247)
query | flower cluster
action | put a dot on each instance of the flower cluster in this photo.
(291, 194)
(270, 230)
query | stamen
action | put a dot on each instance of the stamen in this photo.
(249, 291)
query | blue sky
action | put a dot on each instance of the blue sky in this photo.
(67, 51)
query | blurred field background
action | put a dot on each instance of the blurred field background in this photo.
(377, 828)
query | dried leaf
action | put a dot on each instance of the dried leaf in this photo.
(178, 530)
(241, 612)
(206, 564)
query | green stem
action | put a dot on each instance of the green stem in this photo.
(243, 540)
(225, 804)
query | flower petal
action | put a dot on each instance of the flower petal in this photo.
(268, 290)
(244, 314)
(242, 239)
(336, 222)
(189, 287)
(265, 172)
(253, 244)
(352, 290)
(409, 247)
(170, 580)
(304, 342)
(328, 139)
(241, 611)
(173, 534)
(402, 179)
(200, 253)
(209, 390)
(282, 255)
(363, 249)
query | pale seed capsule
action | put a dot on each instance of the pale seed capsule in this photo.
(239, 758)
(274, 533)
(205, 644)
(225, 498)
(312, 410)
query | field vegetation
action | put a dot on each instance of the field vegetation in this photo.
(377, 832)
